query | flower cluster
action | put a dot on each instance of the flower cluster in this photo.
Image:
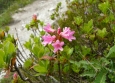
(56, 39)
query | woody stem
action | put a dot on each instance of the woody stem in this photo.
(60, 77)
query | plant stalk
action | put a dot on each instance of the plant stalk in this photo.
(60, 77)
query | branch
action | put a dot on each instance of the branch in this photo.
(20, 42)
(19, 73)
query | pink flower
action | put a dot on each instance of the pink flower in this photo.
(48, 39)
(57, 46)
(68, 34)
(15, 76)
(48, 28)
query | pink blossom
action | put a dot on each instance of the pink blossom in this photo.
(57, 46)
(48, 28)
(48, 39)
(68, 34)
(15, 76)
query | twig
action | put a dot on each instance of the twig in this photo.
(20, 42)
(19, 73)
(41, 80)
(74, 80)
(18, 61)
(34, 31)
(19, 58)
(60, 77)
(56, 81)
(21, 54)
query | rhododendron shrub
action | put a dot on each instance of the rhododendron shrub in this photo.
(81, 49)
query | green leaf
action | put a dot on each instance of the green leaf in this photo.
(8, 58)
(102, 33)
(42, 32)
(113, 28)
(85, 50)
(9, 47)
(41, 23)
(27, 63)
(35, 50)
(109, 18)
(42, 67)
(66, 68)
(50, 47)
(1, 45)
(75, 66)
(88, 26)
(37, 41)
(104, 6)
(78, 20)
(9, 50)
(88, 73)
(38, 50)
(67, 52)
(28, 26)
(1, 58)
(28, 45)
(7, 28)
(111, 53)
(90, 1)
(101, 76)
(2, 53)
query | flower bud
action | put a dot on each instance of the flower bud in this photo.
(15, 76)
(34, 17)
(59, 30)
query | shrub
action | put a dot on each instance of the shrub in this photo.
(79, 50)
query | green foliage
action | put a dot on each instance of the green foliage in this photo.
(7, 51)
(78, 20)
(101, 77)
(56, 12)
(2, 54)
(42, 67)
(102, 33)
(93, 23)
(4, 4)
(28, 63)
(91, 55)
(104, 6)
(88, 26)
(67, 52)
(7, 47)
(111, 53)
